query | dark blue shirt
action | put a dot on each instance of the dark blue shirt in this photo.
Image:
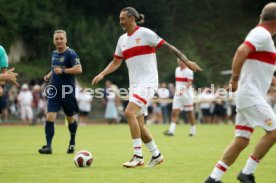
(66, 59)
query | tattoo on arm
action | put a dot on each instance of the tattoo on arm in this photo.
(175, 51)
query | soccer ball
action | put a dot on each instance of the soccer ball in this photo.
(83, 159)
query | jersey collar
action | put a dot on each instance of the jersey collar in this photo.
(130, 34)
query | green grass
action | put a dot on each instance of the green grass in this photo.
(187, 160)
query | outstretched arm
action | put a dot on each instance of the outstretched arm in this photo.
(192, 65)
(112, 66)
(240, 56)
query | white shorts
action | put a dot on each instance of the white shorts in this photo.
(258, 115)
(26, 112)
(141, 96)
(183, 102)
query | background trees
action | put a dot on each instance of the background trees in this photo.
(208, 31)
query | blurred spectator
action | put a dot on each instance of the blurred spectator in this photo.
(12, 93)
(164, 93)
(38, 106)
(25, 100)
(84, 101)
(206, 99)
(111, 112)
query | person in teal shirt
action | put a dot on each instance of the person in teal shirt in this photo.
(3, 66)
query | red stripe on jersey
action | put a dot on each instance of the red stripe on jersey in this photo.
(138, 50)
(118, 57)
(183, 79)
(245, 128)
(250, 45)
(160, 43)
(255, 159)
(263, 56)
(222, 168)
(140, 98)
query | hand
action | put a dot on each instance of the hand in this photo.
(47, 78)
(193, 66)
(11, 76)
(98, 78)
(58, 70)
(233, 85)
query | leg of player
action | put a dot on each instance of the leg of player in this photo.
(156, 157)
(263, 146)
(49, 132)
(228, 158)
(191, 118)
(72, 126)
(130, 114)
(175, 114)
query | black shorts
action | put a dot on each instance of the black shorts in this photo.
(68, 104)
(83, 113)
(206, 112)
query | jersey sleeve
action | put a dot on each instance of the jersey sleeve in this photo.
(190, 75)
(257, 39)
(75, 60)
(118, 51)
(3, 58)
(153, 39)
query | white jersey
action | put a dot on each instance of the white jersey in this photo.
(182, 77)
(257, 71)
(138, 49)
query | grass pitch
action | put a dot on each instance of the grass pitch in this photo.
(187, 160)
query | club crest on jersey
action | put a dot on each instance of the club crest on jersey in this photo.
(138, 40)
(61, 59)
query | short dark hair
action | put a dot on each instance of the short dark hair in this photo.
(269, 12)
(139, 18)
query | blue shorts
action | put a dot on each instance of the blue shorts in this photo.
(69, 105)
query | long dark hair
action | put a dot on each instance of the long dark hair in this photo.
(139, 18)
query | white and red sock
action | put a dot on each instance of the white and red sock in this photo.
(137, 145)
(251, 165)
(153, 148)
(219, 171)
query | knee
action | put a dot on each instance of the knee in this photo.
(51, 117)
(70, 119)
(129, 114)
(242, 142)
(273, 135)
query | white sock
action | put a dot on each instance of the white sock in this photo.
(153, 148)
(193, 129)
(172, 127)
(219, 170)
(137, 145)
(250, 166)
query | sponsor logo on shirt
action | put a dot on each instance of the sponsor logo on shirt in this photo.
(61, 59)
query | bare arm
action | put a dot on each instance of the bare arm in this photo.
(10, 75)
(240, 56)
(77, 69)
(47, 76)
(192, 65)
(274, 81)
(111, 67)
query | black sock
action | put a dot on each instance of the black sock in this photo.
(49, 131)
(73, 129)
